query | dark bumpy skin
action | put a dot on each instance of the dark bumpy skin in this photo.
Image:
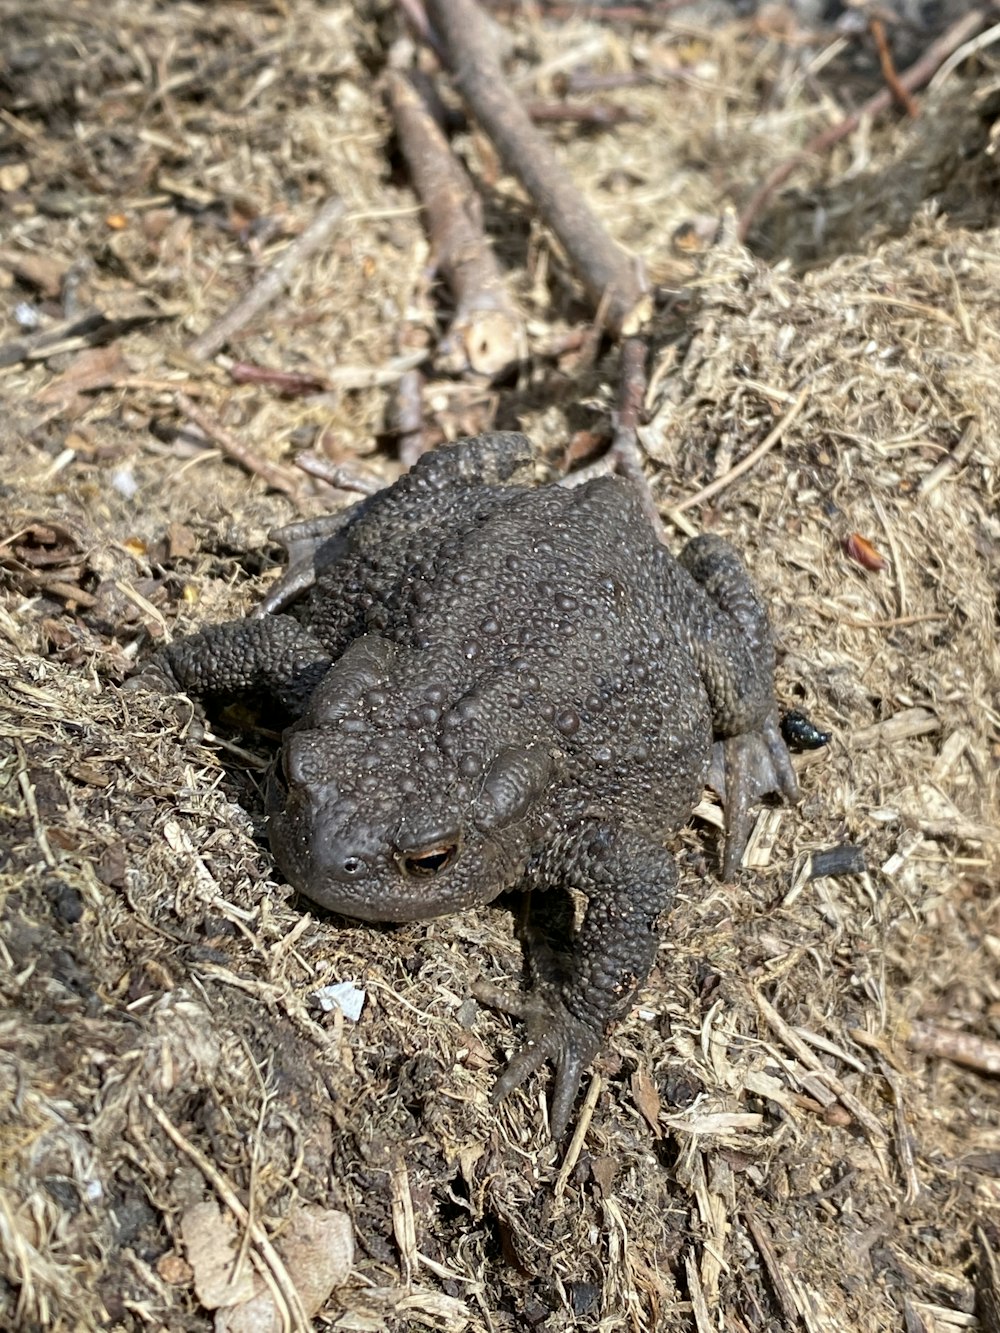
(496, 685)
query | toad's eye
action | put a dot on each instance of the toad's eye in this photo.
(430, 861)
(352, 867)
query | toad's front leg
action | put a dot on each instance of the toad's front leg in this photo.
(275, 662)
(583, 982)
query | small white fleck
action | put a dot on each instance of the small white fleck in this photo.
(125, 483)
(343, 995)
(27, 315)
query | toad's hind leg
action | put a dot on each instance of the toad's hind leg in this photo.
(729, 637)
(315, 546)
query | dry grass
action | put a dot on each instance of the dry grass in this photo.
(764, 1148)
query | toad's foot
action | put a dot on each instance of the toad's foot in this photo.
(552, 1034)
(743, 769)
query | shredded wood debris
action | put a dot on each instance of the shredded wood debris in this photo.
(799, 1124)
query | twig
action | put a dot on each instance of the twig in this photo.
(416, 16)
(915, 77)
(637, 16)
(486, 334)
(876, 1134)
(88, 330)
(951, 462)
(582, 113)
(631, 393)
(877, 29)
(579, 1134)
(341, 475)
(28, 792)
(761, 1234)
(752, 458)
(703, 1321)
(288, 383)
(964, 53)
(271, 283)
(625, 452)
(408, 417)
(962, 1048)
(903, 1137)
(276, 477)
(602, 265)
(589, 81)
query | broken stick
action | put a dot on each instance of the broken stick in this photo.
(271, 283)
(625, 452)
(486, 334)
(276, 477)
(605, 269)
(955, 1044)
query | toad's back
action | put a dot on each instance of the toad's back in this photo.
(554, 615)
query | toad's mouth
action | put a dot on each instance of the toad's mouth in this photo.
(380, 883)
(407, 900)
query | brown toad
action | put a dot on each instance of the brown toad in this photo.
(496, 685)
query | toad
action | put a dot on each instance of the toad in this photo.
(493, 685)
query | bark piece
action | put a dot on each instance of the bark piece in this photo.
(486, 334)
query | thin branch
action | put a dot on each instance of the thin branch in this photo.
(486, 334)
(761, 1234)
(602, 265)
(276, 477)
(601, 114)
(408, 417)
(905, 99)
(271, 283)
(89, 330)
(625, 452)
(915, 77)
(958, 457)
(341, 475)
(961, 1048)
(964, 53)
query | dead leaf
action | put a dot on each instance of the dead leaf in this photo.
(647, 1099)
(212, 1244)
(317, 1247)
(93, 368)
(863, 553)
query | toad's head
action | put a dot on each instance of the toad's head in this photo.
(398, 796)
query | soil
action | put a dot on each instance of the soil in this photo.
(799, 1123)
